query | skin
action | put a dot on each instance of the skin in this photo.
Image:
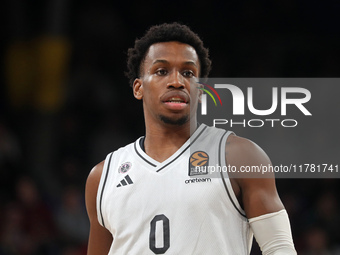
(100, 238)
(172, 67)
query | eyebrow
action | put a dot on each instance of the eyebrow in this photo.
(167, 62)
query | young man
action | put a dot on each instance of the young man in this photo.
(141, 199)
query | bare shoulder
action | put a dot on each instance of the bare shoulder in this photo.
(91, 189)
(244, 152)
(255, 189)
(95, 174)
(100, 238)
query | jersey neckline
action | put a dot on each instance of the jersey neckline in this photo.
(158, 166)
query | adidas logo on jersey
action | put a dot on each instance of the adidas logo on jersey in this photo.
(126, 181)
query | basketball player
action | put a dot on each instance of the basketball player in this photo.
(144, 199)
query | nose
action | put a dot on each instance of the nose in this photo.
(176, 80)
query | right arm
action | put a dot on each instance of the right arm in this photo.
(100, 238)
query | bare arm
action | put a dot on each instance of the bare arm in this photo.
(255, 191)
(258, 195)
(100, 238)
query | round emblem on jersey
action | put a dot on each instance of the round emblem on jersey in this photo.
(199, 158)
(124, 167)
(198, 162)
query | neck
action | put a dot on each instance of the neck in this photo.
(163, 140)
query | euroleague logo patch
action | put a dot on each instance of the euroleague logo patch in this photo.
(198, 162)
(124, 167)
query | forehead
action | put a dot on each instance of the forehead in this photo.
(171, 51)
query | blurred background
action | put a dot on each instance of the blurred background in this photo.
(65, 103)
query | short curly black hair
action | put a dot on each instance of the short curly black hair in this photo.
(165, 33)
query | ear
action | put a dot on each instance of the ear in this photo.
(138, 89)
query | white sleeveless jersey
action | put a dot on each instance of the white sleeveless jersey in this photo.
(169, 208)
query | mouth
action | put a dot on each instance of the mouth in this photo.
(175, 96)
(175, 100)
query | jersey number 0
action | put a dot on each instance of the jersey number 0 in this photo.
(166, 234)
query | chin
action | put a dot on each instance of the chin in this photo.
(179, 121)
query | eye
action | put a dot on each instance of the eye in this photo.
(161, 72)
(188, 74)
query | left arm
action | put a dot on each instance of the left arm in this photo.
(258, 195)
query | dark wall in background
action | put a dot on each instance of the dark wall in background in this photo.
(65, 103)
